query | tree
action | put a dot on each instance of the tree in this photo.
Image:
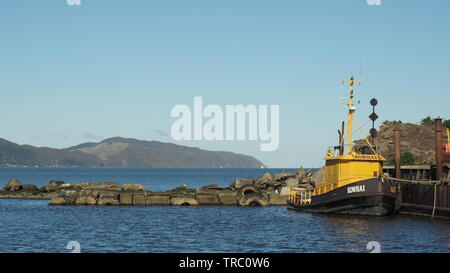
(393, 122)
(407, 158)
(447, 123)
(428, 121)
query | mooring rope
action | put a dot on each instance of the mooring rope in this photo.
(434, 201)
(435, 183)
(412, 181)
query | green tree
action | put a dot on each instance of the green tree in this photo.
(393, 122)
(447, 123)
(407, 158)
(428, 121)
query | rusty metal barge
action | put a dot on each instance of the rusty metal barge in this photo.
(425, 190)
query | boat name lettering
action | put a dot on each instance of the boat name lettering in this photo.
(356, 189)
(365, 157)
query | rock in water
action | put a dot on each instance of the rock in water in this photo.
(109, 184)
(87, 197)
(67, 197)
(105, 186)
(126, 199)
(86, 200)
(207, 198)
(58, 201)
(283, 176)
(291, 182)
(240, 182)
(158, 200)
(108, 199)
(139, 199)
(319, 176)
(183, 201)
(83, 185)
(53, 185)
(285, 191)
(277, 199)
(13, 185)
(227, 198)
(264, 180)
(32, 188)
(253, 199)
(181, 189)
(301, 175)
(133, 187)
(212, 187)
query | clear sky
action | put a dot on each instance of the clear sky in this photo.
(71, 74)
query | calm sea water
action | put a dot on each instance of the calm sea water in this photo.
(33, 226)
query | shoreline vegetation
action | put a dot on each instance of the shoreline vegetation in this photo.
(267, 190)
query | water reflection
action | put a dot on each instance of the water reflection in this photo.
(33, 226)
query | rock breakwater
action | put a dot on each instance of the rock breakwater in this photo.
(269, 189)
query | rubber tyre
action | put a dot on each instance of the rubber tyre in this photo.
(247, 189)
(253, 199)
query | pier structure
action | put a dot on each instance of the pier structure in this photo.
(425, 189)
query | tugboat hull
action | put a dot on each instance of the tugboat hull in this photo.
(369, 197)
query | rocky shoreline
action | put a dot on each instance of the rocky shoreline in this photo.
(267, 190)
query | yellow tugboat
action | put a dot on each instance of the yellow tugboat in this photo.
(353, 182)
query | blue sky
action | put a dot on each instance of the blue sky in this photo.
(71, 74)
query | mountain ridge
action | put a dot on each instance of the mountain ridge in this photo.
(122, 152)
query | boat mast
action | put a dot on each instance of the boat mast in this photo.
(351, 112)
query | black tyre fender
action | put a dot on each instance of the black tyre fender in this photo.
(247, 189)
(253, 199)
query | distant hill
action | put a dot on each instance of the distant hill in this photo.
(122, 152)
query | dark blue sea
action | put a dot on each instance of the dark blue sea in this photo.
(34, 226)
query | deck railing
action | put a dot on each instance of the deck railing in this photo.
(301, 196)
(325, 188)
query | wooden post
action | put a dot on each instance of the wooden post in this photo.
(397, 156)
(439, 136)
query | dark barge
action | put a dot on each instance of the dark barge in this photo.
(425, 189)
